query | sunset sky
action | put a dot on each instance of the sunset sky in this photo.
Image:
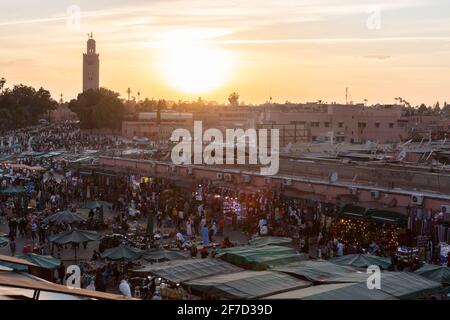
(297, 50)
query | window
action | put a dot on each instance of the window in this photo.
(313, 138)
(391, 125)
(362, 124)
(340, 124)
(377, 125)
(327, 124)
(315, 124)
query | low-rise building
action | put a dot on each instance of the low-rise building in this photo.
(156, 126)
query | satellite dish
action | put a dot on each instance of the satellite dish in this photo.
(288, 148)
(334, 176)
(402, 155)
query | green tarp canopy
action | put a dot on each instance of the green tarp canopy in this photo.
(3, 242)
(13, 190)
(434, 272)
(322, 271)
(49, 155)
(394, 285)
(353, 211)
(335, 291)
(246, 284)
(407, 285)
(178, 271)
(381, 215)
(160, 255)
(64, 217)
(386, 216)
(122, 253)
(75, 236)
(362, 261)
(276, 241)
(14, 266)
(29, 154)
(260, 258)
(46, 262)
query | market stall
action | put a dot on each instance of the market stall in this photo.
(244, 285)
(260, 258)
(272, 241)
(434, 272)
(179, 271)
(395, 285)
(322, 272)
(66, 216)
(161, 255)
(122, 253)
(362, 261)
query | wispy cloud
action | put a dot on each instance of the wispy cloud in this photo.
(377, 57)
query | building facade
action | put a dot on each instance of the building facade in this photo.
(343, 123)
(156, 127)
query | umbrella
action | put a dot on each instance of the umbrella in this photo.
(122, 252)
(47, 262)
(435, 272)
(13, 190)
(362, 261)
(97, 204)
(64, 217)
(75, 236)
(3, 242)
(159, 255)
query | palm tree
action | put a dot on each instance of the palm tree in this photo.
(233, 98)
(2, 83)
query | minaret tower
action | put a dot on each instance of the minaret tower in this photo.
(91, 66)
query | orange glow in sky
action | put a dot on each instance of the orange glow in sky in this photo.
(296, 50)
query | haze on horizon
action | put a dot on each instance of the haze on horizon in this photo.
(296, 50)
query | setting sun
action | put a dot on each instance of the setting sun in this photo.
(196, 70)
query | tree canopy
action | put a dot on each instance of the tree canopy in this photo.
(23, 106)
(233, 99)
(98, 108)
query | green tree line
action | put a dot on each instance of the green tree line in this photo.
(23, 106)
(98, 108)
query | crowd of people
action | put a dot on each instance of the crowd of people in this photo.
(199, 218)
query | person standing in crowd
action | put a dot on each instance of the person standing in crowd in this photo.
(99, 281)
(12, 246)
(61, 272)
(124, 288)
(340, 248)
(205, 235)
(34, 228)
